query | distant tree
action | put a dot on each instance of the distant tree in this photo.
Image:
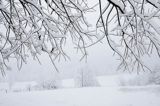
(40, 26)
(85, 77)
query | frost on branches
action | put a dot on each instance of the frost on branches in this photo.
(132, 29)
(40, 26)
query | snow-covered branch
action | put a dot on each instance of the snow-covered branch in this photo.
(41, 26)
(135, 25)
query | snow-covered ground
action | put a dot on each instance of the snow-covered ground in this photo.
(109, 93)
(95, 96)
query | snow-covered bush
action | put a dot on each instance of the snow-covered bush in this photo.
(148, 78)
(49, 84)
(50, 80)
(154, 77)
(85, 78)
(132, 79)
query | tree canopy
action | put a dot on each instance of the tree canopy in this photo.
(131, 28)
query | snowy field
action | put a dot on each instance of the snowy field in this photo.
(96, 96)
